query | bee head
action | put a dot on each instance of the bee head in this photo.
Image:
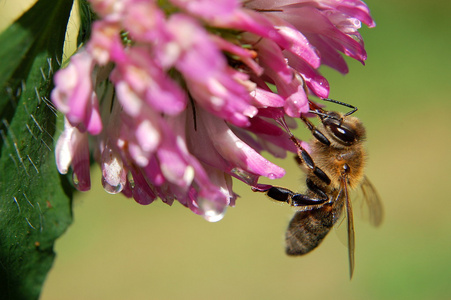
(343, 130)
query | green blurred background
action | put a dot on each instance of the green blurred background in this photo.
(117, 249)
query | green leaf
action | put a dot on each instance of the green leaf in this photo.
(35, 201)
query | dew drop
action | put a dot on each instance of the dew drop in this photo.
(214, 216)
(82, 183)
(131, 180)
(247, 177)
(111, 189)
(212, 211)
(272, 176)
(75, 180)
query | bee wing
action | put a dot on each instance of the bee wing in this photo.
(343, 202)
(365, 202)
(368, 203)
(340, 217)
(366, 206)
(350, 227)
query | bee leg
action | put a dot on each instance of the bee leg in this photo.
(315, 132)
(304, 200)
(290, 197)
(305, 158)
(317, 190)
(275, 192)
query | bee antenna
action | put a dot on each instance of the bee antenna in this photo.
(318, 113)
(323, 115)
(354, 108)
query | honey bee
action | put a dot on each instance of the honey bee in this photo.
(334, 166)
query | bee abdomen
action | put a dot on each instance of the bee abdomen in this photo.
(307, 229)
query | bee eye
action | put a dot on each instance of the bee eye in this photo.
(342, 133)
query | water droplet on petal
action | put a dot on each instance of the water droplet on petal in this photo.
(75, 179)
(272, 176)
(110, 188)
(212, 211)
(247, 177)
(82, 182)
(214, 216)
(131, 180)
